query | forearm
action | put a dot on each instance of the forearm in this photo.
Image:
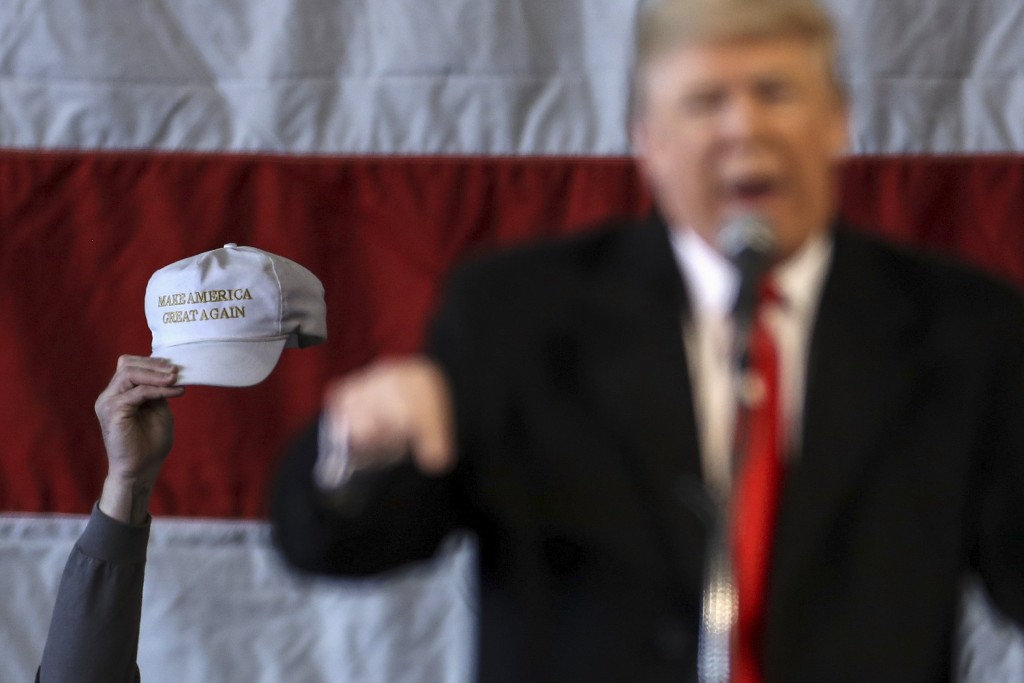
(999, 551)
(94, 631)
(126, 500)
(378, 519)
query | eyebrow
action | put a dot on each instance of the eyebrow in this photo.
(758, 80)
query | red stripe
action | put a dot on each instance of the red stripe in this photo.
(80, 233)
(971, 208)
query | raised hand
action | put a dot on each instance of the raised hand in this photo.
(393, 409)
(138, 431)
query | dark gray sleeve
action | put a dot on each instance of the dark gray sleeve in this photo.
(94, 631)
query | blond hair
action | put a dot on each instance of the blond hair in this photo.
(665, 25)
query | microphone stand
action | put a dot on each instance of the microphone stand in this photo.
(719, 605)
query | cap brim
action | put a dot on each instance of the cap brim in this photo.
(224, 363)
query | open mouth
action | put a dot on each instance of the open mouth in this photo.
(752, 189)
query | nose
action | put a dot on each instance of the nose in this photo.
(742, 118)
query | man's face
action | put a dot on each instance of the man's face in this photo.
(742, 127)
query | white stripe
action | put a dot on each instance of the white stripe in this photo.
(220, 606)
(453, 77)
(317, 76)
(936, 76)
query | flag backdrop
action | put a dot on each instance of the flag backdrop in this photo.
(376, 142)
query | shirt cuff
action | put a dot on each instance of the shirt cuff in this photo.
(109, 540)
(333, 466)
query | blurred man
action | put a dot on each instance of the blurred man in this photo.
(575, 407)
(94, 631)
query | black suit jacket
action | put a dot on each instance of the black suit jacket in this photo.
(580, 472)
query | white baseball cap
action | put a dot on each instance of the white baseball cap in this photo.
(224, 316)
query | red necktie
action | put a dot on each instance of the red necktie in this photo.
(756, 499)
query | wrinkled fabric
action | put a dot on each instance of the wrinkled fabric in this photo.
(377, 142)
(526, 77)
(219, 605)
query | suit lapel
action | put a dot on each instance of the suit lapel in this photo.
(635, 365)
(860, 371)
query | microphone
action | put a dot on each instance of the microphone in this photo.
(749, 242)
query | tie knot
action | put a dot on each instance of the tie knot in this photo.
(768, 292)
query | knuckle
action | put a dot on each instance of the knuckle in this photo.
(103, 408)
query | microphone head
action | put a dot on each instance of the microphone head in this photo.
(748, 241)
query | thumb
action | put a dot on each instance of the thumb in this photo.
(433, 447)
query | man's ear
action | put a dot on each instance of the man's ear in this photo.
(642, 146)
(638, 136)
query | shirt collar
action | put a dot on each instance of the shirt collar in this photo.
(712, 280)
(801, 276)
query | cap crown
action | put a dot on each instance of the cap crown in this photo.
(225, 302)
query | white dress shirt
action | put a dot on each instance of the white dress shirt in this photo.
(711, 281)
